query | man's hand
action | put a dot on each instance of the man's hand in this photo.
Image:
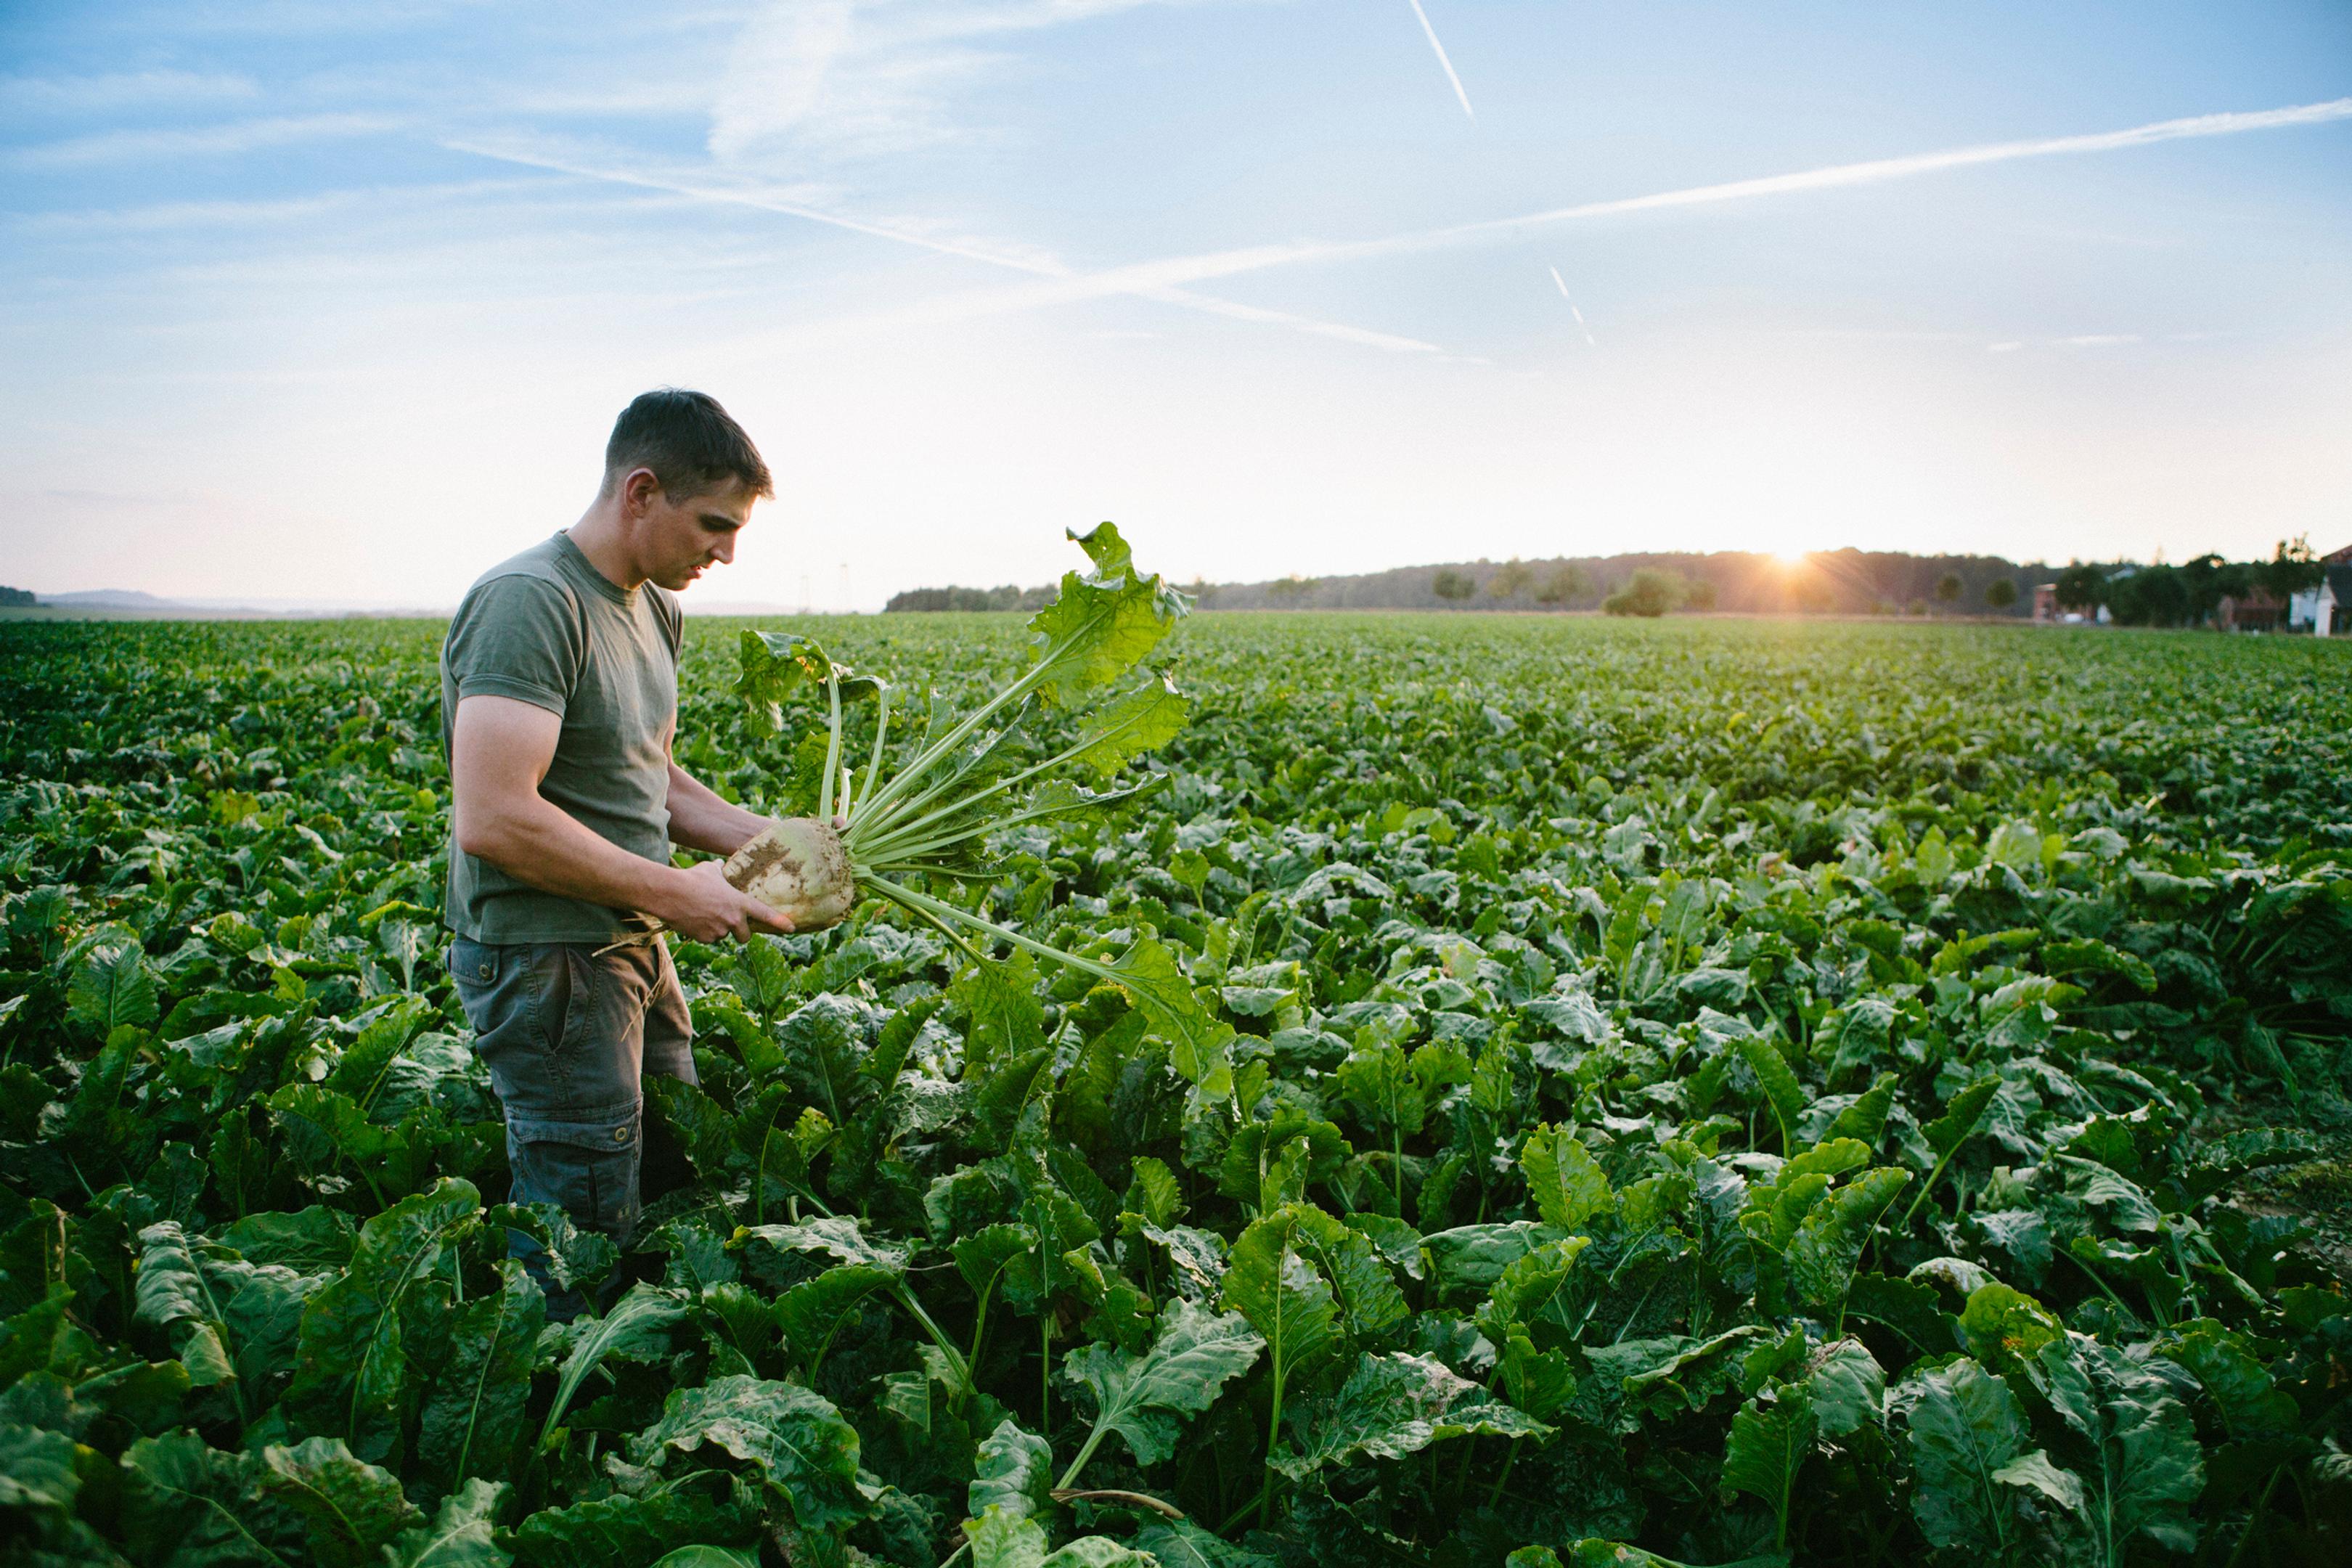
(700, 902)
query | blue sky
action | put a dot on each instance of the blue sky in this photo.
(337, 303)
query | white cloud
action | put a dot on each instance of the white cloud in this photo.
(2099, 340)
(858, 79)
(198, 141)
(122, 90)
(372, 201)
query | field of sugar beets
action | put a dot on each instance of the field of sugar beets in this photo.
(1701, 1093)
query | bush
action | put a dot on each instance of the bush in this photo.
(1566, 582)
(1008, 597)
(1648, 593)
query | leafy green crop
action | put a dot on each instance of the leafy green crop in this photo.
(1560, 1092)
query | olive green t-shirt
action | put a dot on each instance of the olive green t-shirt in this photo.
(549, 629)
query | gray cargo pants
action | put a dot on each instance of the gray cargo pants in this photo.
(568, 1033)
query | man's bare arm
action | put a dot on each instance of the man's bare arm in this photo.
(500, 751)
(700, 818)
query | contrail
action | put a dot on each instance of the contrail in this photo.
(1443, 60)
(967, 250)
(1175, 271)
(1166, 279)
(1572, 311)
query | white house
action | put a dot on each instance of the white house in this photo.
(2326, 610)
(2317, 609)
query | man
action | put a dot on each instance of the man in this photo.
(559, 703)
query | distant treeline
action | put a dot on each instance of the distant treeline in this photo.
(1827, 582)
(2192, 593)
(19, 596)
(1848, 581)
(1008, 597)
(1834, 581)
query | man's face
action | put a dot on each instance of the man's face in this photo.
(678, 540)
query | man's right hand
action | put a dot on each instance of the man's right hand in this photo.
(703, 905)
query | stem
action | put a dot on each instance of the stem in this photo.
(1070, 1475)
(980, 1322)
(2189, 1298)
(1027, 774)
(924, 904)
(2096, 1278)
(1510, 1457)
(874, 761)
(1273, 1433)
(1030, 679)
(900, 844)
(901, 808)
(865, 872)
(2253, 1522)
(1839, 1328)
(955, 1357)
(929, 757)
(1932, 1177)
(760, 1181)
(1788, 1480)
(946, 930)
(832, 745)
(899, 828)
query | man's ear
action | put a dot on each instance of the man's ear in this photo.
(638, 491)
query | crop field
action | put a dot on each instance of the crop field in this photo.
(1739, 1091)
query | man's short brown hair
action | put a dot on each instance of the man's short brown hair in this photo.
(689, 441)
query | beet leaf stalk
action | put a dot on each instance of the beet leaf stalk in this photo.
(964, 780)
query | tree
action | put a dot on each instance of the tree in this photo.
(2000, 593)
(1010, 596)
(2290, 569)
(1293, 587)
(1450, 585)
(2201, 580)
(1650, 593)
(1699, 594)
(2080, 587)
(2147, 596)
(1948, 588)
(1510, 578)
(1565, 582)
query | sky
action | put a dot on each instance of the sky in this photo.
(321, 303)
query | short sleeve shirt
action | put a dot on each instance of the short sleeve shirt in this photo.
(548, 628)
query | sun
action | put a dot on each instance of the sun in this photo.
(1792, 557)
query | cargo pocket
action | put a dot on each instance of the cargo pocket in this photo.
(560, 996)
(475, 967)
(588, 1168)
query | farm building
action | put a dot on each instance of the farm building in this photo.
(2254, 611)
(2326, 610)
